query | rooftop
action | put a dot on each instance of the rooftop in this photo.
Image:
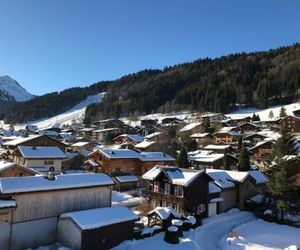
(100, 217)
(41, 183)
(41, 152)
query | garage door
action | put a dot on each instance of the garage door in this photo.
(212, 209)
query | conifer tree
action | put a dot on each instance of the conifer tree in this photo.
(282, 112)
(285, 145)
(225, 161)
(182, 159)
(240, 143)
(271, 114)
(244, 161)
(281, 187)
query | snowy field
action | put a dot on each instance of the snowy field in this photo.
(75, 114)
(213, 234)
(264, 114)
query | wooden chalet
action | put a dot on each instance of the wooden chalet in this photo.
(261, 153)
(290, 123)
(233, 188)
(249, 128)
(192, 128)
(128, 138)
(227, 137)
(202, 139)
(11, 169)
(183, 189)
(36, 202)
(40, 159)
(34, 141)
(128, 161)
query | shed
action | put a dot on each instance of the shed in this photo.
(100, 228)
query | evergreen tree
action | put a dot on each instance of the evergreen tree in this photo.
(244, 161)
(225, 161)
(240, 143)
(191, 145)
(285, 145)
(281, 187)
(254, 117)
(282, 112)
(182, 159)
(271, 114)
(258, 118)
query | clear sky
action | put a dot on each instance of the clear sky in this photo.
(50, 45)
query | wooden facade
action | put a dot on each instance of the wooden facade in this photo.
(16, 170)
(290, 123)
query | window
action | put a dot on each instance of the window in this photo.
(156, 186)
(48, 162)
(201, 208)
(178, 191)
(167, 188)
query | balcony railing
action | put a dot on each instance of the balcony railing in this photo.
(163, 196)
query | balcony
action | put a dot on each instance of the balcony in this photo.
(163, 197)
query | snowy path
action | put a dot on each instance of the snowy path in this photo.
(206, 237)
(214, 229)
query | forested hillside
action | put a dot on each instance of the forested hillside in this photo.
(51, 104)
(259, 79)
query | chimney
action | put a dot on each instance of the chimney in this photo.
(50, 175)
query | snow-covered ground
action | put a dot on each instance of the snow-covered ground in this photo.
(262, 235)
(125, 199)
(265, 113)
(75, 114)
(214, 232)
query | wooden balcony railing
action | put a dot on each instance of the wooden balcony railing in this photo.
(163, 196)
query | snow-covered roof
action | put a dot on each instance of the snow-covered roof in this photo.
(127, 178)
(128, 154)
(91, 162)
(190, 126)
(216, 147)
(20, 140)
(41, 152)
(5, 165)
(100, 217)
(80, 144)
(120, 153)
(221, 178)
(41, 183)
(213, 188)
(259, 177)
(199, 135)
(150, 136)
(133, 137)
(145, 144)
(155, 156)
(165, 212)
(7, 203)
(238, 175)
(260, 144)
(206, 157)
(176, 175)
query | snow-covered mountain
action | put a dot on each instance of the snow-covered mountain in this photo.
(11, 90)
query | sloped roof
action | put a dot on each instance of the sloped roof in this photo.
(41, 183)
(145, 144)
(190, 126)
(100, 217)
(41, 152)
(176, 175)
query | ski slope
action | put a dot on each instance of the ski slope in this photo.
(265, 113)
(75, 114)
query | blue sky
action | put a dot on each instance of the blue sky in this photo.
(50, 45)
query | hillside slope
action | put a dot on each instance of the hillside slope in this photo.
(259, 79)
